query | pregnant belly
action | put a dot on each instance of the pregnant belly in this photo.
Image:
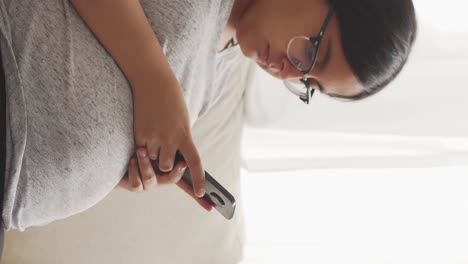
(77, 148)
(79, 120)
(79, 140)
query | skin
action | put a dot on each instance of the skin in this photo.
(259, 23)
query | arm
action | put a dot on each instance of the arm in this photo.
(123, 29)
(161, 118)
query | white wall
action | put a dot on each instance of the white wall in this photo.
(378, 181)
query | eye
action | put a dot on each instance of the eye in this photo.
(309, 53)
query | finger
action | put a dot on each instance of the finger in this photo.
(123, 183)
(188, 189)
(134, 181)
(174, 175)
(153, 151)
(166, 157)
(191, 156)
(147, 175)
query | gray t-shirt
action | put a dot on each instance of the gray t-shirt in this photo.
(69, 107)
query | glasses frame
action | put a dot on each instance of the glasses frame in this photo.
(316, 41)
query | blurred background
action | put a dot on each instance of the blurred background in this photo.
(379, 181)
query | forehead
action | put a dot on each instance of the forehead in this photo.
(347, 86)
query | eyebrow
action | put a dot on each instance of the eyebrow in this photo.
(326, 60)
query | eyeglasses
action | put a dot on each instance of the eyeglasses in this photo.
(303, 52)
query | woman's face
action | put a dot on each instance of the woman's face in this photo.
(270, 25)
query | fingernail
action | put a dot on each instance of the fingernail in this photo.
(165, 170)
(201, 192)
(142, 153)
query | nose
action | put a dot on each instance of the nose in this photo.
(275, 67)
(285, 70)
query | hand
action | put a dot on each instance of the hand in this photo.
(162, 125)
(135, 181)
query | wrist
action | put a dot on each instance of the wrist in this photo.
(152, 80)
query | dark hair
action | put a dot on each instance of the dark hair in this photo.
(377, 37)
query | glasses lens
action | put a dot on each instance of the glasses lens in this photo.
(297, 87)
(301, 53)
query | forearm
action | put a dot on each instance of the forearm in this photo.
(123, 29)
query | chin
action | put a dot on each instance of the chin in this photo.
(249, 53)
(243, 41)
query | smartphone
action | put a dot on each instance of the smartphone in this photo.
(216, 194)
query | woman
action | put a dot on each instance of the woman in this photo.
(86, 78)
